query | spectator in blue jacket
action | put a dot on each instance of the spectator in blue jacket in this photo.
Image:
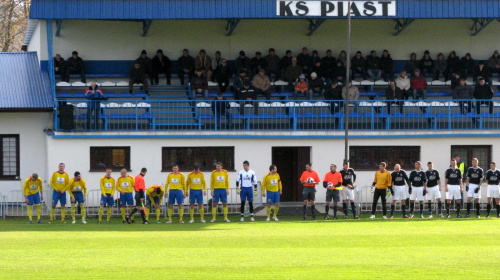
(93, 93)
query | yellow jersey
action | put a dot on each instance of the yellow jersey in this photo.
(176, 182)
(271, 183)
(32, 187)
(125, 184)
(196, 181)
(59, 181)
(219, 180)
(151, 192)
(107, 185)
(77, 186)
(382, 180)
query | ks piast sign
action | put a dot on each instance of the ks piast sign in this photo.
(335, 8)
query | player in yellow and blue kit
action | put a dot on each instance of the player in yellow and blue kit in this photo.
(175, 190)
(154, 194)
(125, 185)
(107, 184)
(219, 186)
(197, 189)
(272, 188)
(32, 188)
(59, 182)
(78, 192)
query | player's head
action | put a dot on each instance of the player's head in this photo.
(457, 158)
(430, 165)
(381, 166)
(418, 165)
(34, 177)
(61, 167)
(333, 167)
(196, 168)
(453, 162)
(108, 172)
(144, 170)
(246, 165)
(345, 165)
(158, 190)
(123, 172)
(397, 167)
(175, 168)
(219, 166)
(78, 176)
(309, 166)
(273, 169)
(475, 162)
(493, 165)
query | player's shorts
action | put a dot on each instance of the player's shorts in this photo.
(399, 193)
(59, 197)
(246, 194)
(309, 193)
(195, 196)
(332, 195)
(273, 197)
(138, 196)
(175, 195)
(417, 193)
(107, 200)
(78, 197)
(493, 191)
(347, 194)
(471, 193)
(126, 199)
(453, 192)
(156, 200)
(220, 194)
(34, 198)
(433, 193)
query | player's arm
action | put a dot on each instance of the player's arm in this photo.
(238, 179)
(25, 188)
(117, 186)
(263, 186)
(280, 187)
(226, 181)
(374, 180)
(167, 183)
(40, 186)
(84, 186)
(303, 179)
(203, 183)
(212, 182)
(460, 181)
(184, 185)
(70, 190)
(149, 192)
(325, 181)
(353, 179)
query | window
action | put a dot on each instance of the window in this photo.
(206, 157)
(116, 158)
(9, 149)
(467, 153)
(368, 158)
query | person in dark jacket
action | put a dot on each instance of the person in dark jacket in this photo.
(481, 71)
(247, 94)
(467, 65)
(238, 83)
(292, 73)
(199, 85)
(373, 66)
(339, 72)
(426, 64)
(60, 66)
(314, 58)
(358, 65)
(93, 93)
(137, 76)
(223, 73)
(483, 95)
(185, 66)
(455, 80)
(243, 63)
(494, 63)
(394, 95)
(316, 85)
(272, 62)
(161, 64)
(257, 63)
(464, 93)
(320, 70)
(452, 65)
(387, 66)
(304, 60)
(328, 62)
(411, 64)
(221, 108)
(333, 95)
(285, 62)
(146, 64)
(75, 65)
(439, 67)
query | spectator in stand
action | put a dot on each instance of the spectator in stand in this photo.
(387, 66)
(418, 85)
(339, 72)
(342, 57)
(455, 80)
(320, 70)
(467, 65)
(440, 67)
(483, 93)
(494, 63)
(272, 62)
(358, 65)
(238, 83)
(314, 57)
(221, 108)
(146, 65)
(75, 65)
(352, 93)
(285, 62)
(199, 85)
(403, 83)
(292, 73)
(137, 76)
(185, 64)
(328, 62)
(247, 93)
(204, 62)
(304, 61)
(464, 93)
(452, 65)
(481, 71)
(161, 64)
(223, 74)
(60, 66)
(316, 85)
(216, 62)
(411, 64)
(243, 63)
(262, 84)
(302, 87)
(257, 63)
(394, 95)
(93, 93)
(373, 66)
(333, 93)
(426, 64)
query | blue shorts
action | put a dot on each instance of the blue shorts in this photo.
(56, 197)
(78, 197)
(108, 199)
(126, 199)
(220, 194)
(155, 198)
(195, 196)
(174, 195)
(34, 198)
(273, 197)
(246, 194)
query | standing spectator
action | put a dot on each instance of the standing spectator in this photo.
(426, 64)
(292, 73)
(161, 64)
(353, 94)
(238, 83)
(481, 71)
(464, 93)
(440, 67)
(185, 64)
(302, 87)
(316, 85)
(393, 95)
(75, 65)
(418, 85)
(204, 62)
(342, 57)
(285, 62)
(403, 83)
(137, 76)
(411, 64)
(242, 63)
(199, 85)
(320, 70)
(334, 94)
(455, 80)
(262, 84)
(339, 72)
(93, 93)
(217, 61)
(304, 60)
(452, 65)
(314, 58)
(373, 66)
(223, 74)
(220, 107)
(146, 65)
(494, 63)
(467, 65)
(60, 66)
(358, 65)
(272, 65)
(328, 62)
(247, 94)
(257, 63)
(483, 95)
(387, 66)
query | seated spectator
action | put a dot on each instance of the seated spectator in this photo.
(301, 86)
(257, 63)
(483, 93)
(137, 76)
(243, 63)
(352, 93)
(185, 65)
(339, 72)
(426, 64)
(314, 58)
(467, 65)
(411, 64)
(403, 83)
(238, 83)
(272, 62)
(358, 65)
(223, 73)
(418, 85)
(285, 62)
(387, 66)
(452, 65)
(204, 62)
(60, 66)
(342, 57)
(440, 67)
(455, 80)
(292, 73)
(304, 60)
(93, 93)
(481, 71)
(262, 84)
(464, 93)
(320, 70)
(393, 95)
(333, 93)
(217, 61)
(247, 94)
(316, 85)
(146, 65)
(221, 108)
(328, 62)
(373, 66)
(199, 85)
(494, 63)
(75, 65)
(161, 65)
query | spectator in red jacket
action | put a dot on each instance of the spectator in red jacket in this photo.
(418, 85)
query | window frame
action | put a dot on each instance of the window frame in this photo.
(375, 161)
(188, 168)
(470, 156)
(127, 161)
(18, 159)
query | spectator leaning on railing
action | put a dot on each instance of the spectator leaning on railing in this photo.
(483, 95)
(393, 93)
(403, 83)
(463, 92)
(333, 93)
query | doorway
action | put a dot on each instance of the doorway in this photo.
(291, 162)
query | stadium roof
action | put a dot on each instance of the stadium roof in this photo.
(24, 86)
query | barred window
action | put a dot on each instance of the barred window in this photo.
(368, 158)
(115, 158)
(206, 157)
(9, 149)
(468, 152)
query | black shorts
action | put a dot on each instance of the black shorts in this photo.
(138, 196)
(309, 193)
(332, 195)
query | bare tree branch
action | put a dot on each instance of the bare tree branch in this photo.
(14, 15)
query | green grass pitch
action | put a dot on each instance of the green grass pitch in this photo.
(288, 249)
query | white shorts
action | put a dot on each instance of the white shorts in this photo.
(399, 193)
(347, 194)
(493, 191)
(471, 193)
(453, 192)
(417, 193)
(433, 193)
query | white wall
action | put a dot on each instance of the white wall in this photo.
(38, 41)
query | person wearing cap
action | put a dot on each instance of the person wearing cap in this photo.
(292, 73)
(137, 76)
(185, 66)
(418, 85)
(242, 62)
(440, 67)
(358, 65)
(161, 64)
(494, 63)
(204, 62)
(262, 84)
(221, 107)
(387, 66)
(373, 66)
(75, 65)
(426, 65)
(199, 85)
(483, 93)
(238, 83)
(247, 94)
(464, 93)
(272, 62)
(302, 87)
(146, 65)
(467, 65)
(285, 62)
(78, 191)
(452, 65)
(481, 71)
(257, 63)
(304, 60)
(352, 93)
(316, 85)
(403, 83)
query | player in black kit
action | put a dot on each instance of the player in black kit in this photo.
(349, 182)
(473, 186)
(453, 187)
(418, 188)
(493, 179)
(399, 182)
(433, 189)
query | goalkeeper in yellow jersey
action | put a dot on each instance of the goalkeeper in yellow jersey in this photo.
(107, 184)
(197, 187)
(78, 192)
(58, 182)
(175, 190)
(154, 194)
(33, 194)
(271, 188)
(219, 186)
(125, 185)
